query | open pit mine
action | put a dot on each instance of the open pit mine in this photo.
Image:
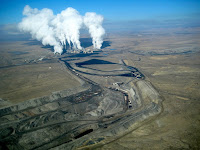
(109, 104)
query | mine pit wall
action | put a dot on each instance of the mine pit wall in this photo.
(117, 128)
(138, 117)
(136, 101)
(63, 133)
(124, 126)
(152, 107)
(148, 92)
(42, 100)
(151, 100)
(142, 90)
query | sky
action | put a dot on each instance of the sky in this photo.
(112, 10)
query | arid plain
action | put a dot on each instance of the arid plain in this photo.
(168, 58)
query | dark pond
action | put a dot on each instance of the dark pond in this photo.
(94, 62)
(82, 54)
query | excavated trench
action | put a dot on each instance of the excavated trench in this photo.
(83, 133)
(82, 119)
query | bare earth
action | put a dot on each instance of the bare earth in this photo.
(177, 78)
(168, 58)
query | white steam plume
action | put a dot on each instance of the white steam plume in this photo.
(94, 23)
(37, 24)
(67, 26)
(56, 30)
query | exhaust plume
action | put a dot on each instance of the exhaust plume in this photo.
(37, 23)
(67, 26)
(94, 23)
(61, 29)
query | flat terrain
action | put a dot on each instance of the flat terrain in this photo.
(177, 79)
(23, 75)
(164, 113)
(176, 76)
(36, 80)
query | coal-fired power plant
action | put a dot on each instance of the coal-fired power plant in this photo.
(62, 29)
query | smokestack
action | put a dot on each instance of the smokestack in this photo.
(58, 30)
